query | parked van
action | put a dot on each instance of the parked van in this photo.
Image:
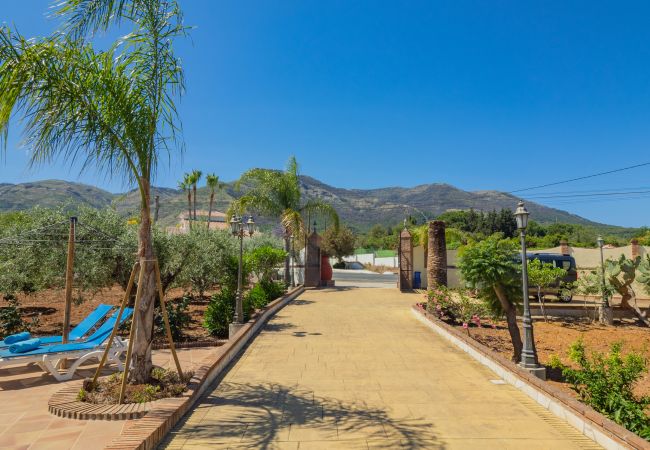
(566, 262)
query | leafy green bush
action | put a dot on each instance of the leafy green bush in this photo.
(264, 292)
(257, 297)
(273, 289)
(339, 265)
(10, 319)
(263, 261)
(606, 382)
(220, 311)
(179, 317)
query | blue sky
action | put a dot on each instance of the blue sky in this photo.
(481, 95)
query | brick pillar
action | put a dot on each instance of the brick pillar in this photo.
(564, 247)
(636, 251)
(437, 255)
(405, 261)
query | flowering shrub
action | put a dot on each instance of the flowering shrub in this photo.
(458, 310)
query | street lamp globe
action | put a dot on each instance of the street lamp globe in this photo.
(600, 241)
(521, 215)
(250, 224)
(234, 225)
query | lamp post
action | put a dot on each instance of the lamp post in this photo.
(605, 315)
(529, 353)
(239, 229)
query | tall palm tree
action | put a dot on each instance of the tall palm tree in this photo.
(277, 194)
(185, 186)
(195, 177)
(111, 109)
(214, 184)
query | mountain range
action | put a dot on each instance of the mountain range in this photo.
(359, 208)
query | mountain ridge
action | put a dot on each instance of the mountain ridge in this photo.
(360, 208)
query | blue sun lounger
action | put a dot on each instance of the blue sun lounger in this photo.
(77, 332)
(48, 356)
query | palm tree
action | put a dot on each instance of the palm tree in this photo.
(277, 194)
(184, 186)
(214, 184)
(195, 177)
(112, 109)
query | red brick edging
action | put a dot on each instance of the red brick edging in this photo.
(65, 404)
(607, 427)
(145, 433)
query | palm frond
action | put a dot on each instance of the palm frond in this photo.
(292, 222)
(322, 207)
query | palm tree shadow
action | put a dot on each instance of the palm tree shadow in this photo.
(260, 415)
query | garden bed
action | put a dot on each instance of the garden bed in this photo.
(555, 337)
(48, 307)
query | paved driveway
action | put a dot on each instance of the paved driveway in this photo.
(352, 368)
(363, 278)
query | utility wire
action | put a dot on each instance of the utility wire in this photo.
(581, 178)
(598, 194)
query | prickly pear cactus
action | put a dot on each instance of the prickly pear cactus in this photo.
(644, 273)
(621, 274)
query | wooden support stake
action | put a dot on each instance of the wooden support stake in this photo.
(163, 309)
(125, 300)
(69, 279)
(134, 320)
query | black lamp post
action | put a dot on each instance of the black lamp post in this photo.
(529, 353)
(239, 229)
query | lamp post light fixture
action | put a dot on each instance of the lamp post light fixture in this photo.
(529, 353)
(605, 314)
(239, 229)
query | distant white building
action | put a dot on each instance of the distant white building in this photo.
(217, 221)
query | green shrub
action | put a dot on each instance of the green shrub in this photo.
(220, 311)
(179, 317)
(263, 261)
(339, 265)
(257, 297)
(606, 382)
(10, 319)
(273, 289)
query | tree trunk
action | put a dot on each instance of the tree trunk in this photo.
(141, 358)
(287, 248)
(210, 209)
(436, 255)
(628, 295)
(194, 190)
(511, 318)
(189, 208)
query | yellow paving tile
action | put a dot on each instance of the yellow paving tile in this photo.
(352, 369)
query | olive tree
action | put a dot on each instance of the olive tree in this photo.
(338, 242)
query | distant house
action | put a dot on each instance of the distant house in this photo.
(217, 221)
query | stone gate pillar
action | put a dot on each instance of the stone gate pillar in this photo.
(405, 255)
(312, 260)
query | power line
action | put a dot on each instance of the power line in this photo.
(597, 194)
(581, 178)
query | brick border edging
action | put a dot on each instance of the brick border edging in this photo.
(147, 432)
(585, 419)
(65, 404)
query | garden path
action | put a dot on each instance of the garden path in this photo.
(352, 368)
